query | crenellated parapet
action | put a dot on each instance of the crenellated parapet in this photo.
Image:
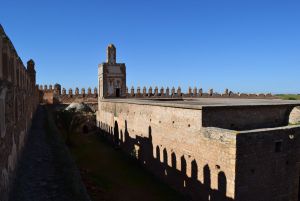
(12, 70)
(112, 84)
(19, 98)
(190, 93)
(58, 94)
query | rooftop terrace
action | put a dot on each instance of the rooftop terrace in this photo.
(228, 113)
(199, 103)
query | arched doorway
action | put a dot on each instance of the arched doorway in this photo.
(118, 92)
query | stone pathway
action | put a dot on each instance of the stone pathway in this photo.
(40, 175)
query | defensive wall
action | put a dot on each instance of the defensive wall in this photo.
(208, 148)
(19, 97)
(210, 152)
(191, 93)
(56, 95)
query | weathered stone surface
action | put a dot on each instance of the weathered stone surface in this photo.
(112, 76)
(295, 116)
(182, 130)
(19, 97)
(268, 164)
(209, 147)
(54, 97)
(175, 133)
(41, 175)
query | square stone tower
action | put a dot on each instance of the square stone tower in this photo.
(111, 76)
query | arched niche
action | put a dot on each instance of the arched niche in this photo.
(294, 117)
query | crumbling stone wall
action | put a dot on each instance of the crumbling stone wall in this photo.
(18, 102)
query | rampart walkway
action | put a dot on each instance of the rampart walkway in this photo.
(46, 171)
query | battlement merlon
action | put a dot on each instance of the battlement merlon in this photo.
(166, 93)
(112, 76)
(112, 84)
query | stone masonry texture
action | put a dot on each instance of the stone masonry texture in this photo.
(19, 98)
(230, 147)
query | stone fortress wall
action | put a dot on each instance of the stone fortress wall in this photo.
(191, 93)
(58, 95)
(172, 144)
(208, 148)
(19, 97)
(201, 156)
(54, 94)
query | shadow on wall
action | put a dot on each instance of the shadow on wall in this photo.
(142, 149)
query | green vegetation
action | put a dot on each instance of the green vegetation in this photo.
(109, 174)
(63, 160)
(289, 96)
(66, 120)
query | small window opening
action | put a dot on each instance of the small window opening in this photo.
(278, 147)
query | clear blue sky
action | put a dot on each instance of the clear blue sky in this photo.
(243, 45)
